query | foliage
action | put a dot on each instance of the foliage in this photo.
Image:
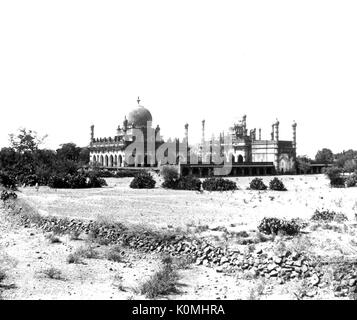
(169, 173)
(328, 216)
(143, 180)
(76, 181)
(26, 164)
(257, 184)
(276, 225)
(5, 195)
(351, 181)
(7, 181)
(25, 140)
(162, 282)
(277, 185)
(303, 164)
(218, 184)
(335, 176)
(324, 156)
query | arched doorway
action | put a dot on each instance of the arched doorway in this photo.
(106, 161)
(120, 160)
(111, 160)
(240, 158)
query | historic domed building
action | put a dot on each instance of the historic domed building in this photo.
(112, 152)
(137, 144)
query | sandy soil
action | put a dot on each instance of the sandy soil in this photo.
(162, 208)
(26, 253)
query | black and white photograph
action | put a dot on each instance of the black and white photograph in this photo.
(155, 151)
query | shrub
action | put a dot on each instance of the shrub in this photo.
(162, 282)
(6, 195)
(336, 179)
(277, 185)
(87, 251)
(276, 225)
(74, 258)
(257, 184)
(7, 181)
(351, 181)
(328, 216)
(218, 184)
(52, 238)
(188, 183)
(53, 273)
(143, 180)
(76, 181)
(169, 174)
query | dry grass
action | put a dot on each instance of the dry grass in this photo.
(163, 282)
(53, 273)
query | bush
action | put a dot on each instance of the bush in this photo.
(218, 184)
(328, 216)
(7, 181)
(335, 176)
(257, 184)
(143, 180)
(277, 185)
(162, 282)
(76, 181)
(5, 195)
(188, 183)
(276, 225)
(169, 173)
(351, 181)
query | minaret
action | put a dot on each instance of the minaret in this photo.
(244, 123)
(276, 131)
(203, 133)
(272, 131)
(186, 133)
(294, 135)
(260, 134)
(91, 133)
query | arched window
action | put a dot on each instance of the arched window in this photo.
(240, 158)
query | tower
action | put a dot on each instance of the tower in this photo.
(186, 133)
(91, 133)
(294, 135)
(276, 130)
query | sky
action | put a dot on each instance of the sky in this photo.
(65, 65)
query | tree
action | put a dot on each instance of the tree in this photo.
(303, 163)
(68, 151)
(25, 140)
(324, 156)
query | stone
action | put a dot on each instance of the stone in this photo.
(352, 282)
(271, 266)
(314, 280)
(278, 260)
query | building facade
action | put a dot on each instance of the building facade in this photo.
(248, 153)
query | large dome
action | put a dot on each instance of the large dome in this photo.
(139, 117)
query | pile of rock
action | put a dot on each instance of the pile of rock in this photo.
(283, 266)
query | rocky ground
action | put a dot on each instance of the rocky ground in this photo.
(215, 261)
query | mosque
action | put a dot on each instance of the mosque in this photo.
(247, 152)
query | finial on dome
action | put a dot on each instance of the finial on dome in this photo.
(138, 100)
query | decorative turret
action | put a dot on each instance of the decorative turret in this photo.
(244, 123)
(294, 134)
(186, 132)
(91, 133)
(125, 123)
(276, 130)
